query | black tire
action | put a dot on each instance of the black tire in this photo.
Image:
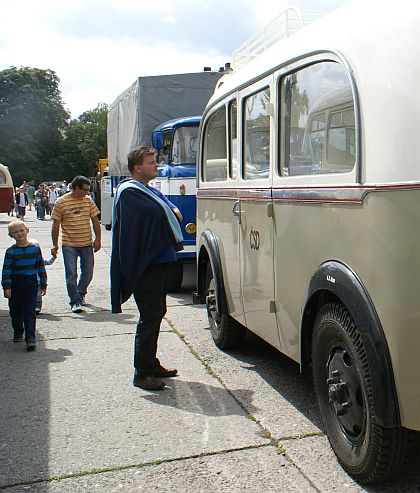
(226, 332)
(343, 384)
(175, 276)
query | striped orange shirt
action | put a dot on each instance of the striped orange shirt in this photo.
(75, 217)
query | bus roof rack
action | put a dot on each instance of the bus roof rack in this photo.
(281, 27)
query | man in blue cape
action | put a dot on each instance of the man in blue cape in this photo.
(145, 238)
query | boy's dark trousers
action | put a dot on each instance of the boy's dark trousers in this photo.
(22, 306)
(150, 297)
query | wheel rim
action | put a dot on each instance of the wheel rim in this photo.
(345, 394)
(211, 307)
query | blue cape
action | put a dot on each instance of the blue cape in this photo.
(140, 231)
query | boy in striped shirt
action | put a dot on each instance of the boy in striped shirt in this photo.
(22, 263)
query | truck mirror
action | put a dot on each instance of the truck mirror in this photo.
(157, 140)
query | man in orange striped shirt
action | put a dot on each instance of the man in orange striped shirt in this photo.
(75, 212)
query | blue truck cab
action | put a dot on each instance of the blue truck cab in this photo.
(176, 142)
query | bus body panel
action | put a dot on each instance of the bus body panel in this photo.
(368, 218)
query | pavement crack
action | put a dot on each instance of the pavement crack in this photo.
(263, 432)
(102, 470)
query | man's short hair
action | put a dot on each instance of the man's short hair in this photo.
(79, 181)
(137, 155)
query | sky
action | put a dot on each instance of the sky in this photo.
(98, 48)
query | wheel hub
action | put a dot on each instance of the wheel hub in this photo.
(344, 392)
(211, 300)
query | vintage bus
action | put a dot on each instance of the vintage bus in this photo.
(308, 221)
(6, 189)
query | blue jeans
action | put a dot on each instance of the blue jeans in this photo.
(40, 210)
(77, 289)
(22, 306)
(150, 297)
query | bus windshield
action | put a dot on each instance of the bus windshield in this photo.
(185, 145)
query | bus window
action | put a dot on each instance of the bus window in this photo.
(184, 150)
(163, 154)
(341, 144)
(257, 135)
(233, 135)
(318, 121)
(215, 149)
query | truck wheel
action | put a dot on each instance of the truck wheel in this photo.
(176, 274)
(226, 332)
(344, 388)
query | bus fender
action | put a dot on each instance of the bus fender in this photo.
(333, 280)
(208, 242)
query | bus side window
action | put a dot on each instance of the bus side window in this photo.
(215, 148)
(257, 136)
(233, 136)
(318, 121)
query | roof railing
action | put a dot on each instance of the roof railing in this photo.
(281, 27)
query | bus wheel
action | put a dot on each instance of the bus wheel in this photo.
(176, 274)
(343, 384)
(226, 332)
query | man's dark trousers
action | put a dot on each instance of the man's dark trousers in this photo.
(150, 297)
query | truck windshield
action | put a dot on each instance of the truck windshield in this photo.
(185, 145)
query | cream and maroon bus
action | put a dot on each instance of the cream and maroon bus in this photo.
(7, 190)
(308, 227)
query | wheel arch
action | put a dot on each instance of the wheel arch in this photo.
(335, 281)
(208, 253)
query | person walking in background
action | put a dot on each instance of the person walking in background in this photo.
(41, 202)
(31, 193)
(52, 197)
(75, 212)
(22, 201)
(23, 264)
(145, 237)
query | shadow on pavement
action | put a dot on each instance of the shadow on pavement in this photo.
(24, 407)
(281, 373)
(200, 398)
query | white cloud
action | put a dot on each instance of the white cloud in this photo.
(99, 47)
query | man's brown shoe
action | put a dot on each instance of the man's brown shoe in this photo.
(162, 372)
(148, 383)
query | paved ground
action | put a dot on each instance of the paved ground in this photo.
(70, 420)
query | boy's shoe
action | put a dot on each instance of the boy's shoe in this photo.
(31, 345)
(82, 301)
(18, 338)
(37, 311)
(77, 308)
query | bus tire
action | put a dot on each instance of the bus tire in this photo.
(226, 333)
(175, 276)
(344, 388)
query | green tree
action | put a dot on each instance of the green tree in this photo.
(32, 120)
(85, 142)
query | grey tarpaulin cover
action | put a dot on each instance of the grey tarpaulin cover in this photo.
(149, 102)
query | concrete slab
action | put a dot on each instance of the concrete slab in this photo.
(315, 458)
(70, 407)
(266, 471)
(283, 399)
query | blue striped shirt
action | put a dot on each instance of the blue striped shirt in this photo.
(23, 261)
